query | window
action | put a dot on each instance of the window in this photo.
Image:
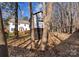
(39, 17)
(24, 24)
(12, 29)
(13, 24)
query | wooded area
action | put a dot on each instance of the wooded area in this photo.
(60, 31)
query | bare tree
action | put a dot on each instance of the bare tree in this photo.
(3, 41)
(77, 17)
(16, 20)
(46, 21)
(32, 26)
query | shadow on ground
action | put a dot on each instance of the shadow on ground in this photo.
(68, 47)
(3, 51)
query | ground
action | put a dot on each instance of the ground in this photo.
(61, 45)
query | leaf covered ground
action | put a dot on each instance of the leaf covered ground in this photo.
(68, 45)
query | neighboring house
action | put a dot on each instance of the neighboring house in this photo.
(38, 19)
(38, 24)
(23, 25)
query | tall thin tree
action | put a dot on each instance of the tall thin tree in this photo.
(46, 21)
(16, 20)
(71, 17)
(32, 26)
(3, 41)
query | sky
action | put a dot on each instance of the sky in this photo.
(23, 9)
(24, 6)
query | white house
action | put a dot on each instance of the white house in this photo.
(38, 24)
(38, 19)
(23, 25)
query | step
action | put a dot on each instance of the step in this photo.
(25, 44)
(21, 42)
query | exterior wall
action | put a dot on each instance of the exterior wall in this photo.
(38, 18)
(35, 24)
(11, 26)
(25, 27)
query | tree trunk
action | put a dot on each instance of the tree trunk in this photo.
(71, 24)
(46, 21)
(3, 41)
(16, 20)
(32, 26)
(71, 19)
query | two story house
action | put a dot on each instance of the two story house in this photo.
(23, 25)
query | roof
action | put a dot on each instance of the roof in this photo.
(38, 12)
(20, 21)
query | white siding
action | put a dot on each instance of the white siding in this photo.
(11, 26)
(35, 23)
(35, 20)
(26, 27)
